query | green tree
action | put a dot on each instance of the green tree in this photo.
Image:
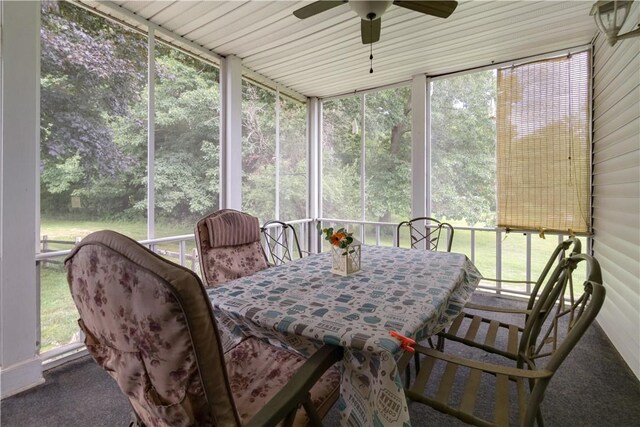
(341, 158)
(388, 154)
(91, 73)
(258, 151)
(387, 177)
(463, 148)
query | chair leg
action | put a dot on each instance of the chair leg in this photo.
(407, 377)
(440, 343)
(407, 370)
(539, 419)
(314, 418)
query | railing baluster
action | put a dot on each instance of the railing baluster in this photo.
(528, 272)
(183, 249)
(473, 246)
(498, 262)
(377, 234)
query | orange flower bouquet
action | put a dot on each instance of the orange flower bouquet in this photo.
(340, 238)
(345, 250)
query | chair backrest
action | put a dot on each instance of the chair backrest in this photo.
(228, 243)
(561, 314)
(149, 324)
(426, 233)
(542, 335)
(558, 254)
(279, 239)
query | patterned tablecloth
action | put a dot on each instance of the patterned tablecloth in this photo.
(301, 305)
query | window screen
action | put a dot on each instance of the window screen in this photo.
(543, 145)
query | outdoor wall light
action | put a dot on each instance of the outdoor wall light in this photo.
(610, 16)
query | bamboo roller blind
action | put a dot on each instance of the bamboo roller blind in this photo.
(543, 145)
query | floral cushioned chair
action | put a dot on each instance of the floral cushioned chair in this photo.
(229, 247)
(149, 324)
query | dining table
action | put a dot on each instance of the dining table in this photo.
(301, 305)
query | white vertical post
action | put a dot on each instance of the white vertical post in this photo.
(151, 133)
(420, 170)
(231, 133)
(528, 264)
(363, 169)
(19, 144)
(314, 161)
(498, 261)
(183, 250)
(277, 207)
(473, 246)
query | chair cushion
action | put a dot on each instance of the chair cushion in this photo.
(221, 265)
(233, 228)
(149, 323)
(257, 371)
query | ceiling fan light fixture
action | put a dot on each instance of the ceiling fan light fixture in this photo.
(610, 17)
(369, 10)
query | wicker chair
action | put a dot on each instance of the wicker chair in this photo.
(426, 233)
(280, 242)
(149, 324)
(479, 381)
(476, 329)
(228, 243)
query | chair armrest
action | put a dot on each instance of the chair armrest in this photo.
(510, 310)
(296, 391)
(485, 367)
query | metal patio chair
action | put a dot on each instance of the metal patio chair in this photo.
(280, 242)
(481, 330)
(478, 381)
(426, 233)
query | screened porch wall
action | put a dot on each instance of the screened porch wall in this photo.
(616, 188)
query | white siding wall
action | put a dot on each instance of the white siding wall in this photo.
(616, 211)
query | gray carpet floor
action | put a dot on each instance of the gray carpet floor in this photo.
(592, 388)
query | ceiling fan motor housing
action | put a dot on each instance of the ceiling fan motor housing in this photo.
(369, 10)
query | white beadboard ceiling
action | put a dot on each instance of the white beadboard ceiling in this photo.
(323, 55)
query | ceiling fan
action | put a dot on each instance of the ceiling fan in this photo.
(371, 12)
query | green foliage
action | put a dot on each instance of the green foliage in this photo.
(463, 148)
(61, 177)
(387, 177)
(94, 122)
(388, 154)
(259, 155)
(94, 133)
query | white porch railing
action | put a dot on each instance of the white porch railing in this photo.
(473, 241)
(495, 280)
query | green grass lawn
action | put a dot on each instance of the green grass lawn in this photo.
(59, 315)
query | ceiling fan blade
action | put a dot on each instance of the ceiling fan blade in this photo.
(441, 9)
(370, 30)
(316, 7)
